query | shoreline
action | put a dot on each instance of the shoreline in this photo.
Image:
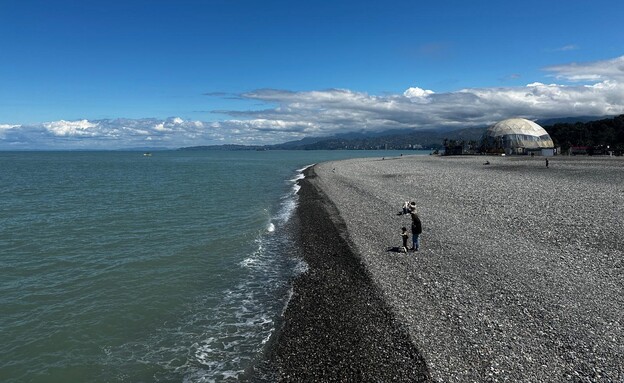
(337, 326)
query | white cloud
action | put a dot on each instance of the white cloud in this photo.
(416, 92)
(566, 48)
(71, 128)
(160, 127)
(5, 128)
(591, 71)
(290, 115)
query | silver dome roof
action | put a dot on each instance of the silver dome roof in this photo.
(518, 133)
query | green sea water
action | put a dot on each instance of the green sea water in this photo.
(118, 267)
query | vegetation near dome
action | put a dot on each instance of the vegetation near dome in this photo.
(572, 135)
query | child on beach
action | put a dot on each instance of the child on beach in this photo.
(404, 236)
(406, 207)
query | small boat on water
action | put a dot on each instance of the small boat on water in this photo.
(147, 154)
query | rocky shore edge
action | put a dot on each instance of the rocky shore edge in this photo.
(336, 326)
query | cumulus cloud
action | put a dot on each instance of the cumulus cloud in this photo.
(416, 92)
(5, 128)
(106, 134)
(334, 110)
(579, 89)
(591, 71)
(71, 128)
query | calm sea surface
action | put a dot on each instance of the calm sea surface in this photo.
(116, 267)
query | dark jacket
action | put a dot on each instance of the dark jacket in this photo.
(416, 224)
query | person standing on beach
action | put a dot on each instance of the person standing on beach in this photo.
(416, 230)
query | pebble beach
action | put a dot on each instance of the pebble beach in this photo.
(519, 276)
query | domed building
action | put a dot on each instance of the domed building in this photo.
(516, 136)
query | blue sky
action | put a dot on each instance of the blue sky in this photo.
(115, 74)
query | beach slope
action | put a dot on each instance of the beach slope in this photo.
(337, 327)
(519, 277)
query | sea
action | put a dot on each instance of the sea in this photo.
(127, 267)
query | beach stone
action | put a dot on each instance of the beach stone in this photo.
(519, 277)
(336, 327)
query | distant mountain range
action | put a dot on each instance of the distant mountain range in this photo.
(393, 139)
(403, 140)
(390, 139)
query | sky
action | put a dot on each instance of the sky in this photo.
(114, 74)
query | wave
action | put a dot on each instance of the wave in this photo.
(304, 168)
(247, 313)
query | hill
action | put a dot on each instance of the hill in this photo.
(565, 132)
(427, 139)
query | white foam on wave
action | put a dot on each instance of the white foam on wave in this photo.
(248, 262)
(289, 201)
(243, 322)
(296, 188)
(235, 332)
(298, 177)
(255, 258)
(304, 168)
(301, 267)
(241, 318)
(287, 209)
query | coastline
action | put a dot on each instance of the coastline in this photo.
(336, 327)
(519, 277)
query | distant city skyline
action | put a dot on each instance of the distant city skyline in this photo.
(121, 74)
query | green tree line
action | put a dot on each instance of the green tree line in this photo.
(600, 133)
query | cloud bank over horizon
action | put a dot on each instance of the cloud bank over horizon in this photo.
(579, 89)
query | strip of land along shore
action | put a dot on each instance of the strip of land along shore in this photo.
(519, 277)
